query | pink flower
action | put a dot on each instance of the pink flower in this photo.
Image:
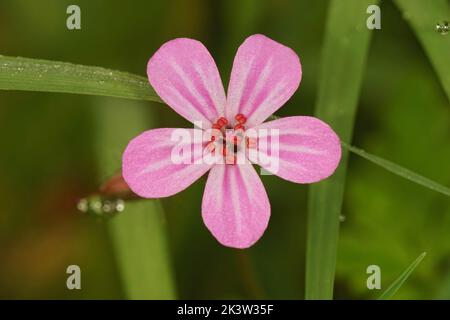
(265, 74)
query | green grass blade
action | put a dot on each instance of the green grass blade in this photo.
(423, 16)
(26, 74)
(399, 170)
(138, 233)
(393, 288)
(344, 56)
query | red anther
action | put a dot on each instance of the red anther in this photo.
(216, 126)
(222, 121)
(213, 138)
(240, 118)
(238, 126)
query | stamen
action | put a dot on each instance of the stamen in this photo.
(251, 143)
(224, 150)
(222, 122)
(240, 118)
(239, 131)
(231, 143)
(211, 146)
(237, 136)
(237, 140)
(230, 159)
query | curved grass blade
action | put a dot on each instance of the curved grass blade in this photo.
(423, 16)
(139, 232)
(399, 170)
(344, 56)
(17, 73)
(393, 288)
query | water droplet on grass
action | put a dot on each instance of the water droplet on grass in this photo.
(442, 27)
(83, 205)
(108, 206)
(99, 207)
(96, 206)
(120, 205)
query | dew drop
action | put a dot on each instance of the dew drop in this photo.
(83, 205)
(120, 205)
(442, 27)
(108, 206)
(96, 206)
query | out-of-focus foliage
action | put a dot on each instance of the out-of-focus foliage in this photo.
(344, 54)
(48, 157)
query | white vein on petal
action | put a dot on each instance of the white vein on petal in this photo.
(183, 101)
(213, 88)
(259, 86)
(300, 149)
(235, 201)
(272, 99)
(238, 88)
(282, 132)
(191, 88)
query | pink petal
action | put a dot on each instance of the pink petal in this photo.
(235, 206)
(148, 166)
(185, 76)
(265, 75)
(309, 150)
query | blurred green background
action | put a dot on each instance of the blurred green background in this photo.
(48, 156)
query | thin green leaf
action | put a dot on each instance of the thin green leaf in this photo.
(344, 56)
(139, 232)
(393, 288)
(399, 170)
(139, 239)
(423, 16)
(18, 73)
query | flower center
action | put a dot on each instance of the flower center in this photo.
(228, 140)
